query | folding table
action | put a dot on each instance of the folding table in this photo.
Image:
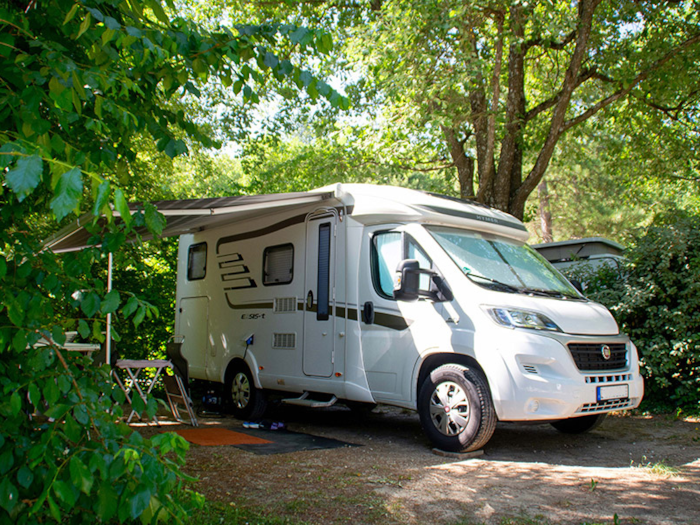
(133, 368)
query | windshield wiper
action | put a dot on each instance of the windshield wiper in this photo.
(514, 289)
(506, 287)
(549, 293)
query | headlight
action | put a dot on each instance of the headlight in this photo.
(522, 319)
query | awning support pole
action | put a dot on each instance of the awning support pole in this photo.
(108, 347)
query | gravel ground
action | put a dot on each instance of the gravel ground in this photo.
(642, 469)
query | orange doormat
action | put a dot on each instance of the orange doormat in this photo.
(219, 436)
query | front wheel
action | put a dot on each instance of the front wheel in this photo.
(246, 401)
(579, 425)
(455, 408)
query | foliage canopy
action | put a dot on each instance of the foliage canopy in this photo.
(83, 85)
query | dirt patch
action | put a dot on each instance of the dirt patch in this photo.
(645, 470)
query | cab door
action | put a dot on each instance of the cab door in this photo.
(394, 333)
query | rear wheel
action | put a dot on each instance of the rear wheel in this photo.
(455, 408)
(579, 425)
(246, 401)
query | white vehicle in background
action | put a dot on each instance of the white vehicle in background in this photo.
(366, 294)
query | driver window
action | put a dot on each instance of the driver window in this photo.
(388, 250)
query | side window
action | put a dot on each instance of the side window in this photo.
(278, 264)
(416, 252)
(388, 250)
(197, 262)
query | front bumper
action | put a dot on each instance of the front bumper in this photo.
(534, 377)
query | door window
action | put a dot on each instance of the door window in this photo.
(388, 250)
(324, 271)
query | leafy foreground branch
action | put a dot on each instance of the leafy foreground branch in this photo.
(81, 84)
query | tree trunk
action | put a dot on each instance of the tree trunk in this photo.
(509, 175)
(516, 206)
(545, 213)
(463, 163)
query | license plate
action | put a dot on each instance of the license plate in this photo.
(613, 392)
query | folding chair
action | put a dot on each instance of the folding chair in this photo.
(176, 385)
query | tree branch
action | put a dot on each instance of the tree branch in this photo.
(549, 43)
(634, 83)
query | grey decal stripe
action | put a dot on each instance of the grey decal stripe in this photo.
(391, 321)
(475, 217)
(298, 219)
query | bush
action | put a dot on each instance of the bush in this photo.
(655, 298)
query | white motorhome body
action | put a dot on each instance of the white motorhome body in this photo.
(304, 298)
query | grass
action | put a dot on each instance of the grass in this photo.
(217, 513)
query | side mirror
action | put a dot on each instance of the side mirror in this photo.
(444, 293)
(407, 283)
(407, 280)
(577, 284)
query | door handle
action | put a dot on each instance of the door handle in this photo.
(368, 312)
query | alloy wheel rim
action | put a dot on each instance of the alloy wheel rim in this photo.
(449, 408)
(240, 390)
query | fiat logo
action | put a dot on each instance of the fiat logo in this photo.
(605, 350)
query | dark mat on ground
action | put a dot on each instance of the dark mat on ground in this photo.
(216, 436)
(284, 441)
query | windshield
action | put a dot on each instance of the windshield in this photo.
(502, 264)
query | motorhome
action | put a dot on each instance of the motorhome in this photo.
(363, 294)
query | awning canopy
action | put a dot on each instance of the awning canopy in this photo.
(190, 215)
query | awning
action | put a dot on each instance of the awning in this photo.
(190, 215)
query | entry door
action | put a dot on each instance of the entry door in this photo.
(193, 325)
(319, 302)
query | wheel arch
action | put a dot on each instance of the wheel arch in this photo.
(236, 364)
(433, 361)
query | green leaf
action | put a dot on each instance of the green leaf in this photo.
(102, 198)
(58, 335)
(107, 499)
(67, 193)
(3, 267)
(71, 14)
(131, 305)
(83, 329)
(138, 502)
(80, 475)
(111, 302)
(54, 509)
(66, 493)
(25, 476)
(7, 460)
(34, 395)
(73, 430)
(51, 393)
(298, 35)
(90, 304)
(26, 176)
(57, 411)
(158, 11)
(270, 60)
(84, 26)
(155, 221)
(15, 403)
(8, 495)
(122, 207)
(140, 315)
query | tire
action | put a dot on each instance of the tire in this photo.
(579, 425)
(455, 409)
(246, 402)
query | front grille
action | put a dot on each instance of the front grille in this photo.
(589, 356)
(607, 405)
(617, 378)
